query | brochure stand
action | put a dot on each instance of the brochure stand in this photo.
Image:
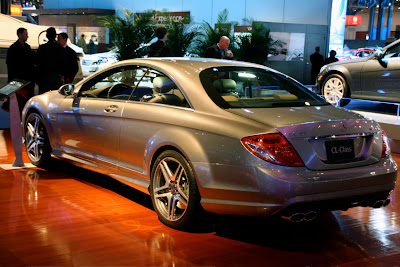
(9, 90)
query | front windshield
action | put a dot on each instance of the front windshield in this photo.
(244, 87)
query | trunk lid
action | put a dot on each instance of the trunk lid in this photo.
(325, 137)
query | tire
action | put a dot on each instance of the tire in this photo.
(334, 89)
(174, 191)
(37, 143)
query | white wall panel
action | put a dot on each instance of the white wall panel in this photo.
(266, 10)
(236, 8)
(199, 9)
(307, 12)
(283, 11)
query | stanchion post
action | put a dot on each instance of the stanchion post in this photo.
(16, 131)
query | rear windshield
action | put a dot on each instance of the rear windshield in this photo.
(243, 87)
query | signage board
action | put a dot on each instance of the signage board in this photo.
(16, 10)
(353, 20)
(174, 16)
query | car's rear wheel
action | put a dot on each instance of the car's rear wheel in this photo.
(36, 141)
(334, 89)
(174, 191)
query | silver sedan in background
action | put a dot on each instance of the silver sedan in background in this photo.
(222, 136)
(376, 77)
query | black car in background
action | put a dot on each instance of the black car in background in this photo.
(376, 77)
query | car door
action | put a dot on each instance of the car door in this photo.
(380, 78)
(89, 123)
(146, 116)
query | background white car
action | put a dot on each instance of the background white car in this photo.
(93, 62)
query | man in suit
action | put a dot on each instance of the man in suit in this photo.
(20, 65)
(220, 50)
(82, 43)
(71, 66)
(160, 48)
(52, 63)
(317, 61)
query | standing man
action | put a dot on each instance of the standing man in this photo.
(82, 43)
(52, 63)
(92, 48)
(160, 48)
(20, 65)
(220, 50)
(71, 66)
(317, 61)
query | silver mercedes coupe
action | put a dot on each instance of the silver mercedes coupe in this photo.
(224, 137)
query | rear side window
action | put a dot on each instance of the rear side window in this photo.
(241, 87)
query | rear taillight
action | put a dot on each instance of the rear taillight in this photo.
(273, 148)
(385, 145)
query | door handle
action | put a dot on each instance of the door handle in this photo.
(111, 109)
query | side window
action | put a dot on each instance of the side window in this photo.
(393, 52)
(156, 87)
(116, 83)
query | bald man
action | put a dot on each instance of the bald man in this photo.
(220, 50)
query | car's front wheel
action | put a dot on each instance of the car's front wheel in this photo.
(334, 89)
(174, 191)
(36, 141)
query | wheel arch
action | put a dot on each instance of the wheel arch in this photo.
(192, 149)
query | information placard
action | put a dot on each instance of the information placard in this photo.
(12, 87)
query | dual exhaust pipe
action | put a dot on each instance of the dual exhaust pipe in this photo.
(311, 215)
(381, 203)
(302, 216)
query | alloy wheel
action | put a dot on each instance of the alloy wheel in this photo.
(170, 189)
(34, 138)
(334, 90)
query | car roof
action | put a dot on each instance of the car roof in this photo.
(197, 64)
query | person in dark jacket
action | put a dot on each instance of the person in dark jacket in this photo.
(92, 47)
(317, 61)
(52, 63)
(71, 67)
(160, 48)
(20, 65)
(332, 57)
(220, 50)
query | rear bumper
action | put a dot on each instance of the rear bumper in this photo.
(299, 190)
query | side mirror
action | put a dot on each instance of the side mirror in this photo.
(378, 54)
(66, 89)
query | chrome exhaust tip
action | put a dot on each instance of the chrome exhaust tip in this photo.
(386, 202)
(378, 204)
(297, 217)
(311, 215)
(300, 217)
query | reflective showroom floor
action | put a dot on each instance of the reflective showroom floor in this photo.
(72, 217)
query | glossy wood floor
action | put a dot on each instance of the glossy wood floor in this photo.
(72, 217)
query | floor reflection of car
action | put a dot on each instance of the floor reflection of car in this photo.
(91, 63)
(210, 135)
(376, 77)
(355, 53)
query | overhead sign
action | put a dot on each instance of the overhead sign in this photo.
(353, 20)
(174, 16)
(16, 10)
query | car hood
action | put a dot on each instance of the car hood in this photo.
(349, 61)
(280, 117)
